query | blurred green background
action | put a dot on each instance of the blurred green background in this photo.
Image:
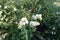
(11, 11)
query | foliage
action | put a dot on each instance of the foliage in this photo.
(11, 12)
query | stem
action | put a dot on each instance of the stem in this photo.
(33, 9)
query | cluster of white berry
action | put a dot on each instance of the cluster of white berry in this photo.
(37, 16)
(25, 21)
(22, 22)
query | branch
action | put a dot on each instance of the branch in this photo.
(34, 8)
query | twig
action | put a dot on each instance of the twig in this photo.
(34, 8)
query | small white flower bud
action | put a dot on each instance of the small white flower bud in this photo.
(53, 28)
(5, 7)
(15, 9)
(52, 32)
(34, 17)
(20, 25)
(24, 20)
(39, 16)
(21, 6)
